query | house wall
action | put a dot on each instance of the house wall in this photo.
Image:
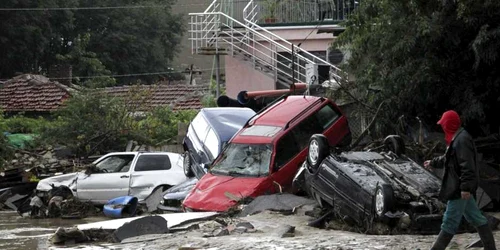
(184, 57)
(240, 76)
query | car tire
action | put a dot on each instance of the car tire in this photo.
(395, 144)
(383, 200)
(188, 170)
(318, 150)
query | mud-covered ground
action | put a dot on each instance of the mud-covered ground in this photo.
(267, 226)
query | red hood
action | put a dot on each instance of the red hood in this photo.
(209, 194)
(450, 122)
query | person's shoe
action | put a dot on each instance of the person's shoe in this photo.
(442, 241)
(486, 237)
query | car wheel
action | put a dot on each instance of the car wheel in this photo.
(383, 201)
(318, 150)
(395, 144)
(188, 170)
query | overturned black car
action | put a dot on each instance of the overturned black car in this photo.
(366, 187)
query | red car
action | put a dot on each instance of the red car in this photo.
(263, 157)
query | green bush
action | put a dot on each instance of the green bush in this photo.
(93, 123)
(6, 151)
(161, 125)
(20, 124)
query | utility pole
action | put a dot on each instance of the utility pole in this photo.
(217, 75)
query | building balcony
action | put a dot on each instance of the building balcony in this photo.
(293, 12)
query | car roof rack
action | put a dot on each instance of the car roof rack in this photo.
(266, 107)
(321, 99)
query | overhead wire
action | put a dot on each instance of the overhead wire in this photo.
(108, 7)
(131, 74)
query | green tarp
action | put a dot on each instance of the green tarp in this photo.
(20, 141)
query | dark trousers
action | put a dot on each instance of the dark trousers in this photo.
(455, 209)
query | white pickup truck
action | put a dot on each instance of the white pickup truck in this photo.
(119, 174)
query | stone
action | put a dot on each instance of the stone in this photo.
(66, 236)
(141, 226)
(65, 163)
(245, 224)
(52, 160)
(32, 159)
(221, 232)
(14, 162)
(47, 155)
(285, 231)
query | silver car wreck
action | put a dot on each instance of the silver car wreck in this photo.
(113, 175)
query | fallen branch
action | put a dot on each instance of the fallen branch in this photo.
(369, 126)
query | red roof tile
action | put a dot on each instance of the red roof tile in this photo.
(178, 96)
(32, 93)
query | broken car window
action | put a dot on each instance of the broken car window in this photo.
(152, 163)
(244, 160)
(286, 149)
(114, 163)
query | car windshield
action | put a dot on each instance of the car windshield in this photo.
(244, 160)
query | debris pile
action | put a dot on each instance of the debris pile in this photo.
(45, 162)
(60, 203)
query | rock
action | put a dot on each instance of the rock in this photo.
(71, 235)
(26, 156)
(13, 162)
(240, 230)
(47, 155)
(245, 224)
(221, 232)
(17, 155)
(32, 159)
(285, 231)
(65, 163)
(52, 161)
(141, 226)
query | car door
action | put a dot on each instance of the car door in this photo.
(111, 179)
(152, 170)
(286, 160)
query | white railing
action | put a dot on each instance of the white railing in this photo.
(258, 48)
(294, 11)
(215, 30)
(250, 15)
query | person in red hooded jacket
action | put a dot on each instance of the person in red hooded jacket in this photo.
(459, 184)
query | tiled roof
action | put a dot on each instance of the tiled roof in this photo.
(178, 96)
(189, 104)
(32, 93)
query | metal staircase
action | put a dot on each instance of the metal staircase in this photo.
(216, 32)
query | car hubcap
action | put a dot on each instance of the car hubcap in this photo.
(379, 202)
(314, 151)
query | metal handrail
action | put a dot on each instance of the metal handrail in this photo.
(265, 58)
(261, 29)
(260, 45)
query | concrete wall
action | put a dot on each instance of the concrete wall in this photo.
(240, 76)
(184, 58)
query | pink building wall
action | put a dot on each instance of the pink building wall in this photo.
(241, 76)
